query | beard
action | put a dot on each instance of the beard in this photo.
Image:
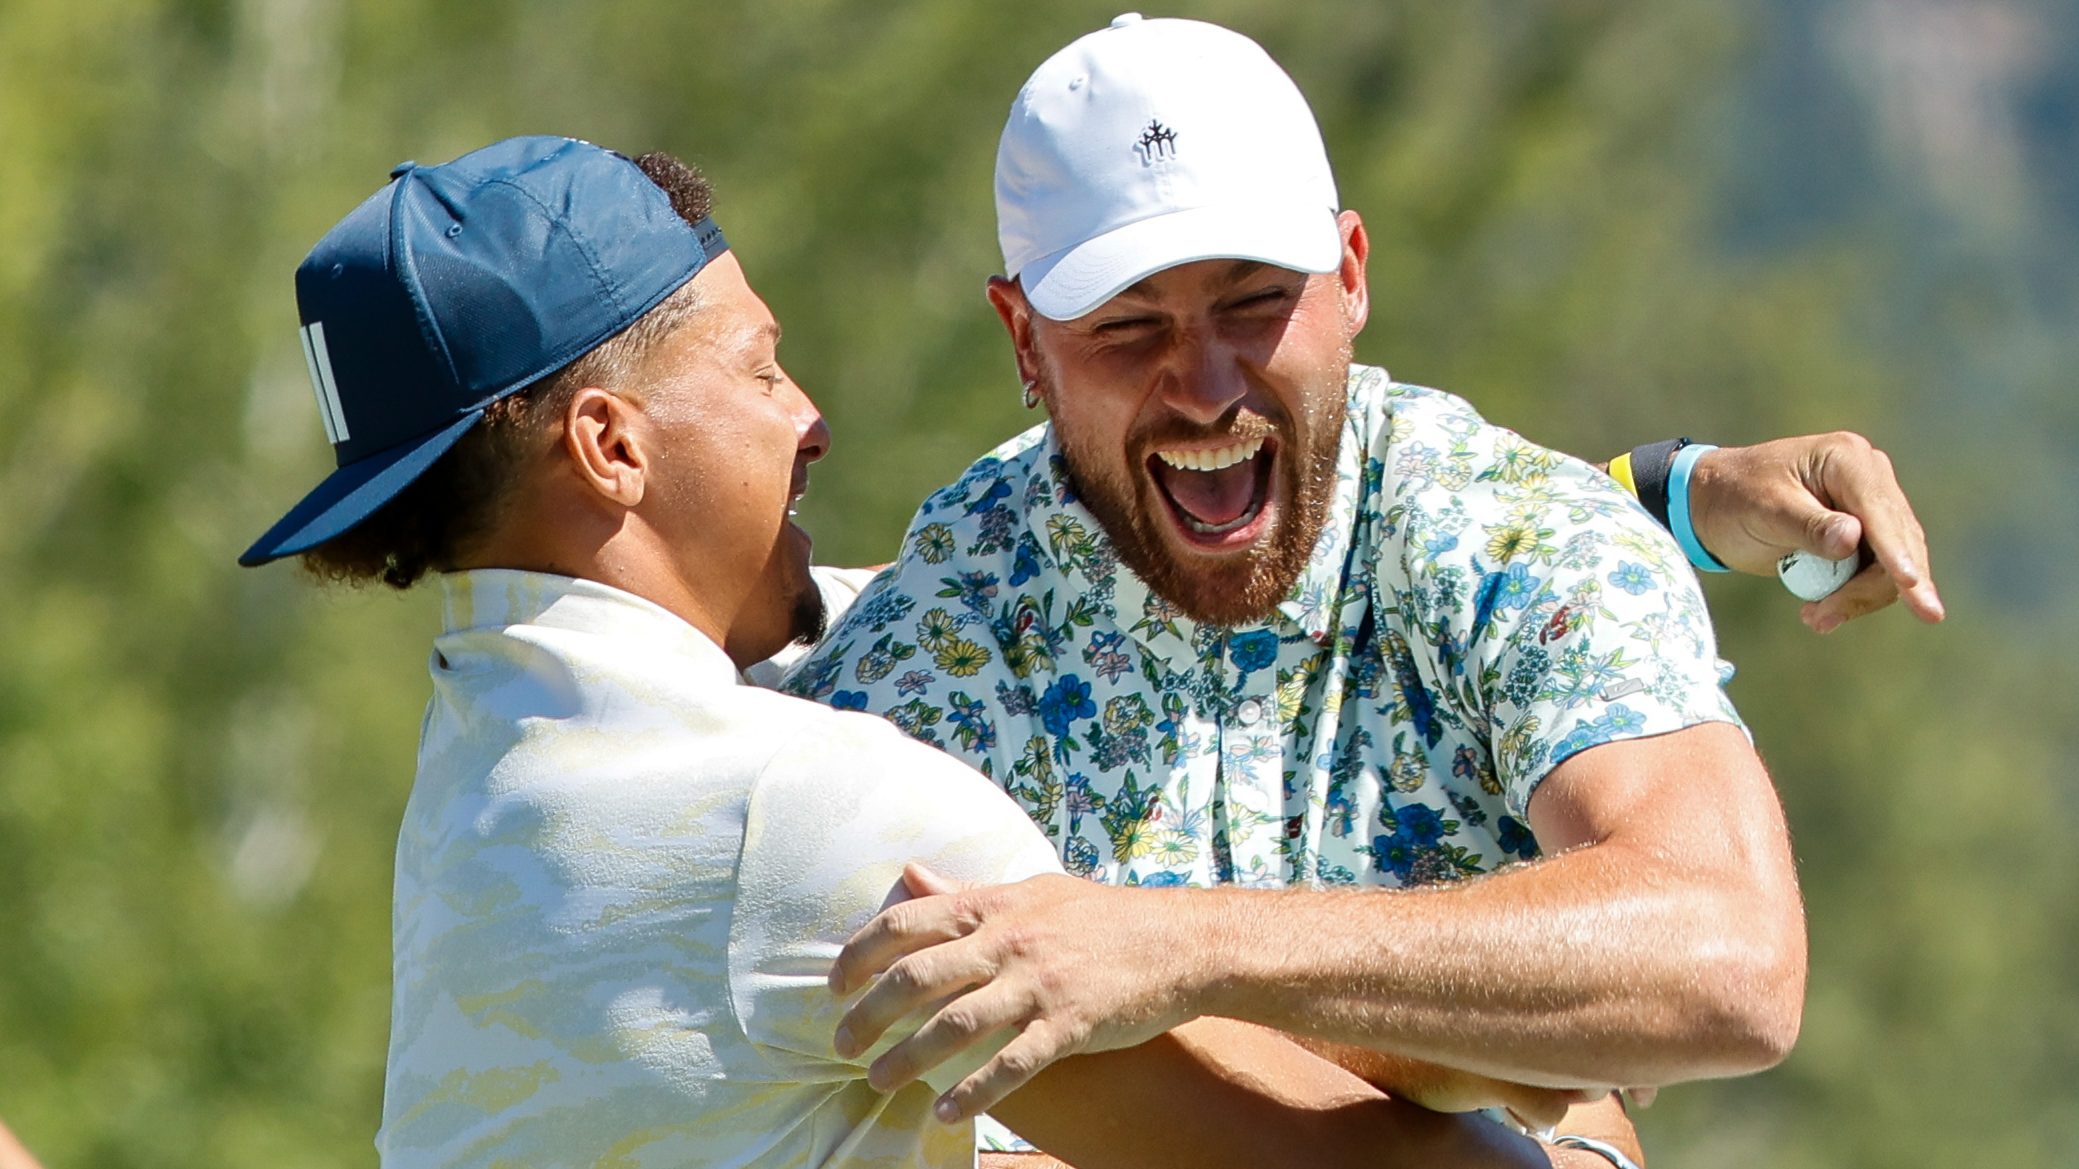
(808, 618)
(1237, 588)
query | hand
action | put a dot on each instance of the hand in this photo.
(1071, 965)
(1446, 1089)
(1826, 494)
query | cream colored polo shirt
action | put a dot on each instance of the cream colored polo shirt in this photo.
(621, 880)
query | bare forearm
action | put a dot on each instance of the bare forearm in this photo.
(1570, 972)
(1216, 1093)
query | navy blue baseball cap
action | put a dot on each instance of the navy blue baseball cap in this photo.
(458, 284)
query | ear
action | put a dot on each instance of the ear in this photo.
(607, 439)
(1007, 297)
(1357, 248)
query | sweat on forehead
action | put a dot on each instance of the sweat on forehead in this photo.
(1154, 143)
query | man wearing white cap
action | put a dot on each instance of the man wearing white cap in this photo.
(1246, 614)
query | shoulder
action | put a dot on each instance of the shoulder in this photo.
(846, 801)
(970, 542)
(858, 774)
(1480, 497)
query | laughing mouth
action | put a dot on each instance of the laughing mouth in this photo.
(1217, 490)
(795, 490)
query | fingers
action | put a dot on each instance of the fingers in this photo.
(1541, 1108)
(896, 931)
(956, 1027)
(1642, 1097)
(1865, 593)
(1007, 1071)
(1823, 532)
(921, 881)
(1859, 478)
(910, 985)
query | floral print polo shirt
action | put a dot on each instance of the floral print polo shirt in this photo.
(1477, 610)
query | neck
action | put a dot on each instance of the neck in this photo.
(620, 550)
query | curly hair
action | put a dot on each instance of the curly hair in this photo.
(436, 521)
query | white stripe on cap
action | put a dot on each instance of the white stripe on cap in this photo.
(318, 360)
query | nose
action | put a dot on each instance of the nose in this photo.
(812, 434)
(1203, 380)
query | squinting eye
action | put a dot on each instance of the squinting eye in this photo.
(1124, 325)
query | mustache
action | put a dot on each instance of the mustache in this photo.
(1241, 426)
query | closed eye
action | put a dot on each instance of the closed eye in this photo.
(1266, 298)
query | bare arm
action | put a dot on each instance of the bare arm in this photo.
(1661, 940)
(1216, 1092)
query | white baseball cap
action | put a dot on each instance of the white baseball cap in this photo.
(1154, 143)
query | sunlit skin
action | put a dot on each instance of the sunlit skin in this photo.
(1200, 360)
(680, 486)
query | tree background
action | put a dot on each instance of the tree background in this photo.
(1604, 221)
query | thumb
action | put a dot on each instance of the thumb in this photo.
(922, 881)
(1822, 531)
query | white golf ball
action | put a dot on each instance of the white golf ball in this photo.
(1815, 578)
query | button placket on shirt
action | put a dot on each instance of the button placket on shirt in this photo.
(1250, 771)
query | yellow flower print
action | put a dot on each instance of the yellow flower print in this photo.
(1514, 540)
(934, 542)
(935, 629)
(961, 658)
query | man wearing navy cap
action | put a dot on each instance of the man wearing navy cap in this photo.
(623, 875)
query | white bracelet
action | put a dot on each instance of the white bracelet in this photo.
(1608, 1152)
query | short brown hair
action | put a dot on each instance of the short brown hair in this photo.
(431, 524)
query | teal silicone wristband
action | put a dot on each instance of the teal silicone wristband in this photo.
(1678, 508)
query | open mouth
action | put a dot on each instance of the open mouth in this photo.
(1216, 493)
(796, 488)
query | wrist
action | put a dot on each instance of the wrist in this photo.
(1223, 952)
(1681, 471)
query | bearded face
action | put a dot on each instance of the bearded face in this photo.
(1200, 424)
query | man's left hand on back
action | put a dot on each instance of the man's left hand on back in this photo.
(1012, 975)
(1827, 494)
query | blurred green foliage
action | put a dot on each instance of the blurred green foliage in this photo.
(1605, 221)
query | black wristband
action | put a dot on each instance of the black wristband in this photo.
(1649, 473)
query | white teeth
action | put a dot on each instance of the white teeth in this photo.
(1213, 460)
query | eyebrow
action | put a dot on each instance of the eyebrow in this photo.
(1242, 270)
(768, 332)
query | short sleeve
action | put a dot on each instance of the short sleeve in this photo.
(1556, 615)
(830, 824)
(1589, 628)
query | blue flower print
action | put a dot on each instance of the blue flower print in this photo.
(1419, 824)
(1515, 838)
(1254, 650)
(999, 490)
(1616, 722)
(1518, 587)
(1025, 564)
(1632, 578)
(1064, 702)
(848, 700)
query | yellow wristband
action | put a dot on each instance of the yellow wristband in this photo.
(1620, 470)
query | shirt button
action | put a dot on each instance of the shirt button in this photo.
(1249, 713)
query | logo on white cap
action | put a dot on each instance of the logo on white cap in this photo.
(1246, 178)
(1156, 143)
